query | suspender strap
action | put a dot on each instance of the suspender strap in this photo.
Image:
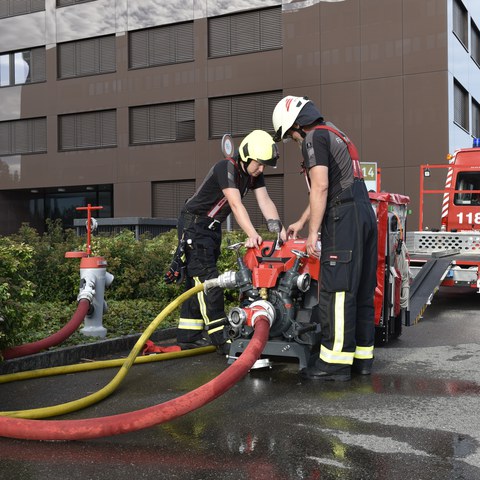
(216, 208)
(352, 149)
(219, 205)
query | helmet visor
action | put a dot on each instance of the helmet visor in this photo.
(270, 162)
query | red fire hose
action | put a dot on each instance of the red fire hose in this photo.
(52, 340)
(127, 422)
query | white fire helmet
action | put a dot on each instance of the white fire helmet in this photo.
(285, 113)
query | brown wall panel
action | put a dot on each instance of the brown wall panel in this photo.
(426, 118)
(340, 34)
(381, 38)
(255, 72)
(301, 47)
(342, 105)
(132, 199)
(15, 211)
(168, 161)
(424, 36)
(382, 122)
(34, 170)
(81, 167)
(160, 84)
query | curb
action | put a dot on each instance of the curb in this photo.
(77, 353)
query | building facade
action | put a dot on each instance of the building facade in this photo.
(123, 103)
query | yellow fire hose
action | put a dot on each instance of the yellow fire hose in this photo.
(126, 363)
(99, 365)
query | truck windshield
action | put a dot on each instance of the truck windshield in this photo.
(467, 181)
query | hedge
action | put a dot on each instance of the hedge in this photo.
(39, 286)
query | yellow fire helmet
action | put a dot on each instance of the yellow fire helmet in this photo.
(259, 146)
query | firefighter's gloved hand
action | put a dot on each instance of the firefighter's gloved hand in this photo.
(176, 271)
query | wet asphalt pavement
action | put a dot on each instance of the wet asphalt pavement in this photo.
(417, 417)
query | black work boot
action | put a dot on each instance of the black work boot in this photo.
(318, 372)
(362, 367)
(201, 342)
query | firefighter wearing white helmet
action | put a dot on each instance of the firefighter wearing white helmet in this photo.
(339, 210)
(199, 231)
(285, 114)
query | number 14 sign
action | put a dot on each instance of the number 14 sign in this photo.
(369, 170)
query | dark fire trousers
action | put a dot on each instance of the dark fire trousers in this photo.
(201, 311)
(348, 281)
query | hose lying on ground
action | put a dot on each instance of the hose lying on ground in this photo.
(144, 418)
(115, 382)
(100, 364)
(58, 337)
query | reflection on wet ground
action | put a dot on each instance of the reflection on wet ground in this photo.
(397, 384)
(414, 418)
(253, 445)
(272, 425)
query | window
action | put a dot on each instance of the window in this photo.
(475, 44)
(92, 56)
(168, 198)
(63, 202)
(161, 45)
(80, 131)
(66, 3)
(460, 22)
(475, 118)
(20, 68)
(245, 32)
(460, 100)
(11, 8)
(168, 122)
(241, 114)
(23, 136)
(467, 181)
(274, 185)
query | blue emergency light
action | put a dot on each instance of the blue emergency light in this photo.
(476, 142)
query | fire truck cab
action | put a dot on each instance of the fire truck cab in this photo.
(449, 255)
(463, 211)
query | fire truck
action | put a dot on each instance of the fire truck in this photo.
(450, 254)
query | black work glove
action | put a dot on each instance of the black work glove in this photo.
(176, 271)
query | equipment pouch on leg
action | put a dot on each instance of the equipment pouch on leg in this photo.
(176, 271)
(336, 270)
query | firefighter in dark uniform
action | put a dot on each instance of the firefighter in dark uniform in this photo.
(339, 208)
(200, 223)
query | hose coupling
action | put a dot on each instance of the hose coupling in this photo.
(238, 317)
(225, 280)
(87, 290)
(262, 308)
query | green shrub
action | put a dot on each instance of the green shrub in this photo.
(134, 316)
(15, 288)
(124, 317)
(55, 277)
(33, 268)
(138, 266)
